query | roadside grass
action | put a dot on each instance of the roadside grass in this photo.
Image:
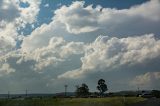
(109, 101)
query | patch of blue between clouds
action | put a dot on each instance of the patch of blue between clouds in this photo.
(24, 4)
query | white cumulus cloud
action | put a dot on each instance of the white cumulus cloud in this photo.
(5, 69)
(149, 79)
(58, 50)
(108, 53)
(12, 17)
(88, 22)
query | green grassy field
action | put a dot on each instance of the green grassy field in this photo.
(110, 101)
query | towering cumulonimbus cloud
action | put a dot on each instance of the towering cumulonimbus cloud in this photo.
(80, 42)
(108, 53)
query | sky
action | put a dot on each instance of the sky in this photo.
(46, 44)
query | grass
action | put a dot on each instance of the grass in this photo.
(110, 101)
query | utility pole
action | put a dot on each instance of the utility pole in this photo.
(65, 89)
(139, 93)
(8, 94)
(26, 92)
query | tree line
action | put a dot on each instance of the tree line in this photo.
(83, 90)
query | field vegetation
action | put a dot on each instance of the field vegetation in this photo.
(109, 101)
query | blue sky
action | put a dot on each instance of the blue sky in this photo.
(45, 44)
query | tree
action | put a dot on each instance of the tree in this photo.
(102, 87)
(82, 91)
